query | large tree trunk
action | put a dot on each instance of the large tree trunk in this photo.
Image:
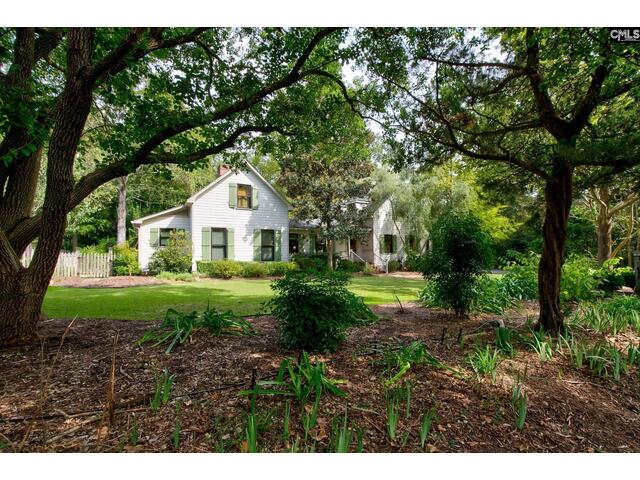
(121, 235)
(558, 191)
(604, 226)
(21, 297)
(22, 290)
(330, 247)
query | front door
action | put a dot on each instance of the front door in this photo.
(294, 243)
(353, 243)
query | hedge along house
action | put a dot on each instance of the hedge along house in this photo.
(241, 216)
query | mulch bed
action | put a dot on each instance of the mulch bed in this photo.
(53, 398)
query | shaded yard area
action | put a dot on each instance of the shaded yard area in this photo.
(243, 296)
(55, 399)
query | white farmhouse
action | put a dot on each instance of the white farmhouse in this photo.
(241, 216)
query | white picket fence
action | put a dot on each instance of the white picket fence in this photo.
(78, 264)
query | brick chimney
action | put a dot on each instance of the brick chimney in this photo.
(222, 169)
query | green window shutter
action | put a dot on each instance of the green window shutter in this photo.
(312, 243)
(233, 195)
(256, 245)
(206, 243)
(394, 244)
(381, 240)
(231, 253)
(277, 254)
(155, 237)
(255, 198)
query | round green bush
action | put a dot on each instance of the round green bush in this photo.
(313, 310)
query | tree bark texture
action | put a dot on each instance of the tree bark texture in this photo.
(121, 233)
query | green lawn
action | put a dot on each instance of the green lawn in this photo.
(242, 296)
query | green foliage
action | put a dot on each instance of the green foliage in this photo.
(485, 361)
(521, 277)
(540, 342)
(299, 380)
(350, 266)
(312, 262)
(230, 268)
(428, 419)
(397, 361)
(176, 277)
(519, 404)
(413, 261)
(125, 261)
(504, 340)
(313, 311)
(251, 433)
(609, 316)
(341, 434)
(393, 415)
(175, 257)
(162, 389)
(177, 327)
(460, 253)
(394, 266)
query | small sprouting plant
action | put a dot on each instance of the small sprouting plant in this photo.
(398, 361)
(541, 344)
(310, 418)
(504, 340)
(605, 360)
(519, 404)
(134, 434)
(425, 426)
(485, 361)
(286, 421)
(408, 401)
(633, 356)
(341, 434)
(251, 433)
(175, 435)
(359, 441)
(162, 390)
(392, 416)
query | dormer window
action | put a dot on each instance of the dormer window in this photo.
(244, 196)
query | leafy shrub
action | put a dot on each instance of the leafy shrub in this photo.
(125, 261)
(485, 361)
(521, 277)
(254, 270)
(393, 266)
(461, 251)
(413, 261)
(612, 277)
(177, 327)
(176, 277)
(309, 262)
(350, 266)
(175, 257)
(279, 269)
(230, 268)
(314, 310)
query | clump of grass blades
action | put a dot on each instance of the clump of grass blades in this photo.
(504, 341)
(251, 433)
(398, 361)
(485, 361)
(519, 401)
(162, 390)
(541, 344)
(611, 316)
(606, 361)
(428, 419)
(177, 327)
(341, 435)
(393, 415)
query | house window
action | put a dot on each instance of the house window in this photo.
(412, 241)
(244, 196)
(218, 244)
(164, 234)
(294, 243)
(267, 245)
(388, 244)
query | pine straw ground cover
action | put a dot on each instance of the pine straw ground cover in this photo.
(93, 393)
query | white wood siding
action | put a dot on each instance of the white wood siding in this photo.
(175, 220)
(383, 224)
(211, 209)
